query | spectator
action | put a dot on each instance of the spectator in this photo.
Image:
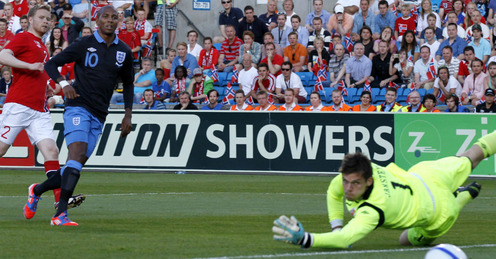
(476, 18)
(445, 8)
(81, 10)
(488, 106)
(121, 24)
(414, 104)
(209, 56)
(453, 104)
(263, 82)
(363, 18)
(240, 99)
(337, 67)
(161, 88)
(429, 103)
(273, 60)
(2, 5)
(296, 53)
(130, 37)
(384, 19)
(142, 26)
(150, 102)
(263, 101)
(185, 102)
(430, 41)
(141, 4)
(213, 101)
(289, 102)
(23, 21)
(251, 47)
(404, 23)
(319, 57)
(366, 40)
(471, 17)
(181, 82)
(20, 7)
(390, 105)
(366, 103)
(337, 40)
(144, 78)
(184, 59)
(458, 8)
(170, 15)
(455, 42)
(490, 81)
(166, 64)
(13, 21)
(453, 18)
(52, 24)
(230, 16)
(269, 38)
(5, 35)
(350, 6)
(246, 75)
(270, 17)
(229, 51)
(425, 11)
(5, 83)
(358, 67)
(465, 67)
(409, 43)
(71, 31)
(316, 103)
(380, 76)
(317, 32)
(199, 86)
(87, 31)
(424, 77)
(481, 46)
(340, 22)
(193, 47)
(387, 36)
(288, 6)
(318, 12)
(403, 68)
(490, 13)
(96, 6)
(251, 23)
(449, 61)
(299, 30)
(337, 102)
(290, 80)
(56, 41)
(446, 84)
(473, 87)
(431, 23)
(281, 30)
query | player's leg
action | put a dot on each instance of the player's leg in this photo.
(50, 152)
(483, 148)
(414, 237)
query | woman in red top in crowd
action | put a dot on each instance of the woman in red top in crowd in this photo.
(209, 56)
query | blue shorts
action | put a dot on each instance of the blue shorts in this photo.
(81, 126)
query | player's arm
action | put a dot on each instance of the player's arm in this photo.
(7, 58)
(335, 194)
(126, 74)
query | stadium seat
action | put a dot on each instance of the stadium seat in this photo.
(217, 46)
(375, 93)
(328, 93)
(430, 91)
(381, 97)
(305, 77)
(422, 92)
(356, 97)
(222, 78)
(220, 90)
(351, 92)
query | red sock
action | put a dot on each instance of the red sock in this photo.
(49, 167)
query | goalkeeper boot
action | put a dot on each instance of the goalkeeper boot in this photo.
(473, 188)
(74, 201)
(62, 220)
(32, 203)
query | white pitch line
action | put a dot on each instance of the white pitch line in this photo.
(339, 252)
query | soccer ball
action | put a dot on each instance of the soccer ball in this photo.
(445, 251)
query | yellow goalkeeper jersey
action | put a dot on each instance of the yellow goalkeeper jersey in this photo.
(396, 199)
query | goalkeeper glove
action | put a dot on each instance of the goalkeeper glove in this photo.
(291, 231)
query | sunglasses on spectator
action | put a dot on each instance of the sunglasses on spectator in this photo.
(226, 2)
(285, 69)
(120, 12)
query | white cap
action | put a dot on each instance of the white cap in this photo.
(338, 9)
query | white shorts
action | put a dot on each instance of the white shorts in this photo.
(16, 117)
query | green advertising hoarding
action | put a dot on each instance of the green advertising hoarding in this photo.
(421, 137)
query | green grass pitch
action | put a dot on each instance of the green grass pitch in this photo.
(153, 215)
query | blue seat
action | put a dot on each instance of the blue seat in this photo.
(422, 92)
(220, 90)
(356, 97)
(217, 46)
(328, 92)
(381, 97)
(430, 91)
(305, 77)
(222, 77)
(351, 93)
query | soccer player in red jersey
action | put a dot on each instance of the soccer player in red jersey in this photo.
(25, 105)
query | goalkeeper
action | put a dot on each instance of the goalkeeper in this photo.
(425, 201)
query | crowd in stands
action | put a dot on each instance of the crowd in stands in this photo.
(363, 55)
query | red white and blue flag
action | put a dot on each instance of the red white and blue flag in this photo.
(440, 96)
(344, 90)
(393, 84)
(147, 49)
(215, 76)
(318, 86)
(229, 94)
(393, 10)
(234, 78)
(410, 90)
(469, 36)
(348, 43)
(366, 86)
(431, 71)
(249, 100)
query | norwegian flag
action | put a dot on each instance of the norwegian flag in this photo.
(94, 10)
(322, 73)
(410, 90)
(318, 86)
(415, 12)
(344, 90)
(469, 36)
(410, 58)
(147, 49)
(271, 97)
(366, 86)
(440, 96)
(431, 71)
(348, 43)
(393, 84)
(206, 101)
(393, 10)
(249, 101)
(230, 94)
(234, 78)
(215, 76)
(481, 101)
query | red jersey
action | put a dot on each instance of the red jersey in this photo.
(277, 60)
(269, 83)
(402, 25)
(143, 27)
(208, 60)
(28, 87)
(8, 36)
(68, 71)
(21, 8)
(132, 39)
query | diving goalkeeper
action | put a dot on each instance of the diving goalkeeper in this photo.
(425, 201)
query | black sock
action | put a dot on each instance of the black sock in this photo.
(68, 184)
(53, 182)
